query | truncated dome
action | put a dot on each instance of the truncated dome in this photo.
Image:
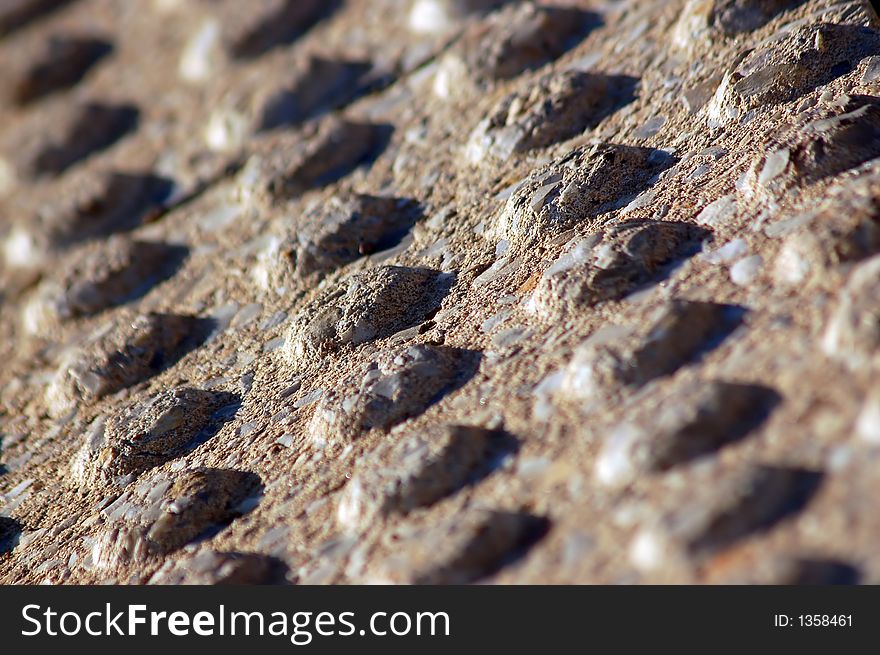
(334, 233)
(206, 567)
(611, 264)
(460, 549)
(779, 72)
(124, 357)
(94, 128)
(841, 230)
(103, 204)
(319, 84)
(392, 388)
(677, 334)
(146, 434)
(519, 37)
(833, 143)
(99, 276)
(369, 305)
(575, 190)
(711, 415)
(65, 63)
(416, 471)
(852, 334)
(702, 22)
(749, 501)
(335, 150)
(165, 512)
(555, 107)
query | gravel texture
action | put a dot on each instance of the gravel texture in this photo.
(439, 291)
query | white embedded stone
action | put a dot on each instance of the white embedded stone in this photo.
(202, 53)
(718, 211)
(451, 73)
(774, 165)
(745, 270)
(852, 335)
(226, 130)
(729, 252)
(21, 249)
(648, 551)
(868, 421)
(429, 17)
(791, 267)
(615, 464)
